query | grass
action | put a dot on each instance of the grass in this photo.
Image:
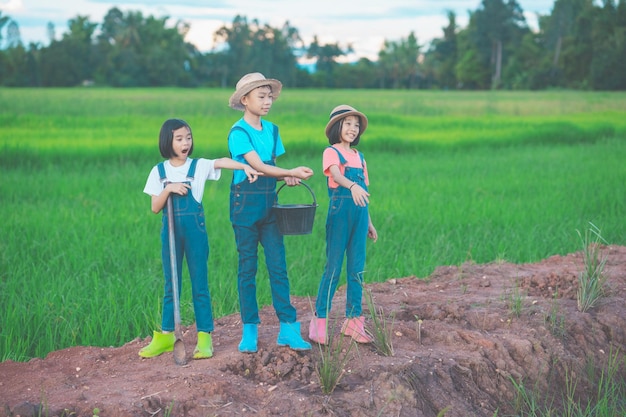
(606, 401)
(591, 281)
(454, 176)
(554, 319)
(515, 300)
(334, 356)
(381, 328)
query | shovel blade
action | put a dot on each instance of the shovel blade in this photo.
(180, 355)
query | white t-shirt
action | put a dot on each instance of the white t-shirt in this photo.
(205, 170)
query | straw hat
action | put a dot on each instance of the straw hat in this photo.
(248, 83)
(342, 111)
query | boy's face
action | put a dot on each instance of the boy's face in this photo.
(258, 101)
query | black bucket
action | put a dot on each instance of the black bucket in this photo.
(295, 219)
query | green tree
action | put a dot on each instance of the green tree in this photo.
(497, 26)
(471, 71)
(3, 21)
(70, 61)
(442, 56)
(138, 51)
(272, 52)
(609, 47)
(398, 62)
(250, 47)
(237, 40)
(557, 32)
(326, 60)
(361, 74)
(577, 49)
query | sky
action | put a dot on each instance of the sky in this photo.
(365, 24)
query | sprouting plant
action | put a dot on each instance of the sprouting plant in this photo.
(554, 319)
(516, 301)
(169, 409)
(591, 280)
(443, 412)
(500, 258)
(333, 356)
(463, 288)
(333, 360)
(419, 329)
(382, 326)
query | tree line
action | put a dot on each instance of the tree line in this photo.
(580, 44)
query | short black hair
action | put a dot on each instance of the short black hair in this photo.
(166, 137)
(334, 133)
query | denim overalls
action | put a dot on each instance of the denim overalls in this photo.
(254, 222)
(192, 242)
(346, 232)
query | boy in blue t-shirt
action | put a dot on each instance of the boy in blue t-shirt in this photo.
(256, 142)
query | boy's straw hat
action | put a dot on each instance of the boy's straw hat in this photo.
(342, 111)
(248, 83)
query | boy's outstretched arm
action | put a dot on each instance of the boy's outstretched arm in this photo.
(295, 174)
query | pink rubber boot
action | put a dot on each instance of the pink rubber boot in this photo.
(353, 327)
(317, 331)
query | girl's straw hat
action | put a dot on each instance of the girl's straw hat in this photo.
(342, 111)
(248, 83)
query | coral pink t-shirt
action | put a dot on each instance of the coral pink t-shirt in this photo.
(352, 157)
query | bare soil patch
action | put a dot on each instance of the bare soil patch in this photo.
(471, 345)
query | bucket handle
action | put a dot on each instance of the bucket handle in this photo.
(307, 187)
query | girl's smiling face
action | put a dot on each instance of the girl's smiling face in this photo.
(181, 143)
(350, 128)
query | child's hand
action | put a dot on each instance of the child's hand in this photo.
(372, 233)
(179, 188)
(291, 181)
(251, 173)
(359, 195)
(302, 173)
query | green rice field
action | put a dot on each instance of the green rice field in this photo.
(455, 177)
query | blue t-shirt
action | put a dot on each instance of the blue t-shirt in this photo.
(261, 141)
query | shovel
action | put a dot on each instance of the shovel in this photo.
(180, 355)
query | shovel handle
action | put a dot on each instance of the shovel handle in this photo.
(173, 262)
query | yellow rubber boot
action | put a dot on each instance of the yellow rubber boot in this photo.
(204, 348)
(161, 342)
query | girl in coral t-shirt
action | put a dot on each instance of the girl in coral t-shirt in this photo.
(348, 224)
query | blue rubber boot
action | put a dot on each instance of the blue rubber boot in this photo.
(249, 339)
(289, 335)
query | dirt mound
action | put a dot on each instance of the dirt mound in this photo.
(481, 326)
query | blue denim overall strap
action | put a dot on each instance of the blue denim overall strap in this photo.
(193, 245)
(254, 222)
(244, 211)
(346, 234)
(274, 133)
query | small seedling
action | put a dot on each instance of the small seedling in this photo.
(382, 326)
(333, 360)
(419, 329)
(592, 279)
(555, 320)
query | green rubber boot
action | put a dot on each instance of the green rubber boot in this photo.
(161, 342)
(204, 348)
